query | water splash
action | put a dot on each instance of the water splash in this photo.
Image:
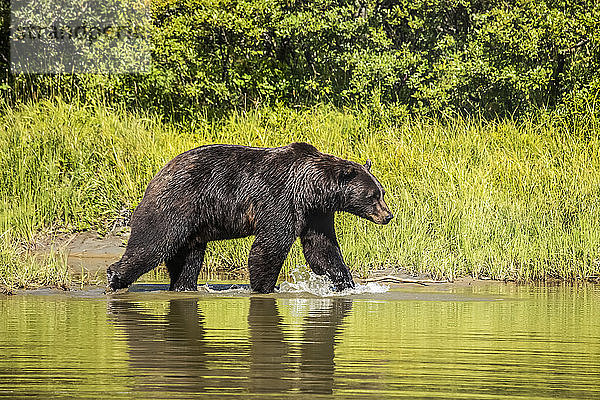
(302, 280)
(225, 288)
(305, 281)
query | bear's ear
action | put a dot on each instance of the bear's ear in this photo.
(368, 165)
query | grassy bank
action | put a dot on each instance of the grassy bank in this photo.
(504, 199)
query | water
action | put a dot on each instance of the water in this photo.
(446, 342)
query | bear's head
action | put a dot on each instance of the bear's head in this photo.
(363, 194)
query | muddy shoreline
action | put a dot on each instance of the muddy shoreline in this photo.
(89, 253)
(86, 252)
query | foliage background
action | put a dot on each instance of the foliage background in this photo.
(420, 56)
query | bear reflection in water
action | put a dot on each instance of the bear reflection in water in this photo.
(176, 353)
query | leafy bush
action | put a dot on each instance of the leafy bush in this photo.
(418, 56)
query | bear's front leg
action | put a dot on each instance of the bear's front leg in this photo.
(266, 258)
(322, 251)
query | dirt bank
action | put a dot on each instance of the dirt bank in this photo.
(86, 252)
(91, 253)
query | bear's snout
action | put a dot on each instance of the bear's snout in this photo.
(387, 219)
(383, 219)
(382, 214)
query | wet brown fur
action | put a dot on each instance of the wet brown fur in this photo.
(219, 192)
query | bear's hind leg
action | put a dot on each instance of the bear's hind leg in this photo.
(184, 267)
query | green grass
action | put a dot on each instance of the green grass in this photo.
(504, 199)
(20, 269)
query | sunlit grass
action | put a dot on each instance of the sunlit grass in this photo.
(19, 269)
(503, 199)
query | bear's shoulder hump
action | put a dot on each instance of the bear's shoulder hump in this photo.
(302, 147)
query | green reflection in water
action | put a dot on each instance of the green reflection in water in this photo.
(55, 346)
(497, 341)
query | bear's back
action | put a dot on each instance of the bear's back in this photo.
(226, 170)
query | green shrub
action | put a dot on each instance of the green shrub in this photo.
(418, 56)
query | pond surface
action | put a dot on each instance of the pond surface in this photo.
(445, 342)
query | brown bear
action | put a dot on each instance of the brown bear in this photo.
(218, 192)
